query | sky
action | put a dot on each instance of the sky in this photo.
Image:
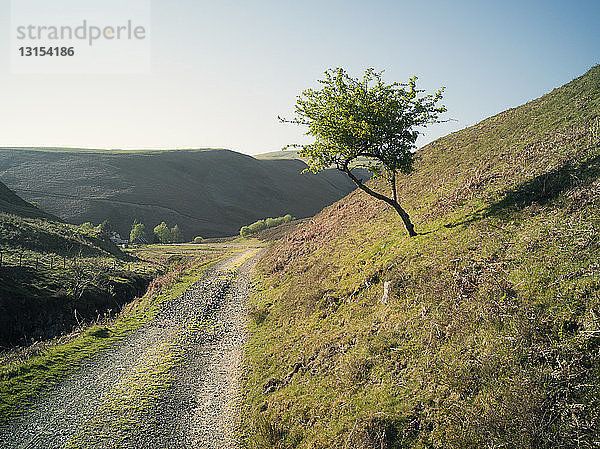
(222, 71)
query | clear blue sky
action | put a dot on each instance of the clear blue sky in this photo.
(222, 71)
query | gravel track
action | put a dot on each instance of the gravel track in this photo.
(203, 331)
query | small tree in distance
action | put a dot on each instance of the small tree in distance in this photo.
(138, 231)
(165, 235)
(162, 233)
(365, 123)
(175, 234)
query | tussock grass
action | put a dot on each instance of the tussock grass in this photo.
(491, 334)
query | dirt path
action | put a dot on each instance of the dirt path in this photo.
(171, 384)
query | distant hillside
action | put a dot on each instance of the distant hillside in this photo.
(11, 203)
(287, 154)
(489, 335)
(208, 193)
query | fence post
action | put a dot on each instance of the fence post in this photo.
(36, 262)
(51, 262)
(20, 258)
(64, 262)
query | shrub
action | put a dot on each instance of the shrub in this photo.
(261, 225)
(198, 239)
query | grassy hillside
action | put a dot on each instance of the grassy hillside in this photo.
(11, 203)
(54, 276)
(490, 333)
(208, 193)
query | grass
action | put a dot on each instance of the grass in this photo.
(490, 335)
(22, 380)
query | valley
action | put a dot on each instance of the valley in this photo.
(208, 193)
(337, 330)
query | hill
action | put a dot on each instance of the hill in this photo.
(287, 154)
(11, 203)
(489, 334)
(208, 193)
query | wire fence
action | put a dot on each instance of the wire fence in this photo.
(56, 262)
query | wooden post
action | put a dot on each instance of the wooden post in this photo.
(36, 262)
(20, 258)
(52, 262)
(64, 262)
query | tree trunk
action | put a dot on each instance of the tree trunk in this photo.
(394, 191)
(410, 228)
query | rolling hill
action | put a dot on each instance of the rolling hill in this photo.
(489, 334)
(211, 193)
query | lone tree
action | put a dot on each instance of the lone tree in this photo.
(365, 123)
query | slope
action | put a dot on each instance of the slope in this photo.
(208, 193)
(11, 203)
(489, 333)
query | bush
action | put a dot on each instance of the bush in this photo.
(244, 232)
(106, 228)
(261, 225)
(198, 239)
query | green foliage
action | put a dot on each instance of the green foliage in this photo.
(165, 235)
(353, 118)
(365, 123)
(87, 226)
(198, 239)
(261, 225)
(138, 231)
(175, 234)
(162, 233)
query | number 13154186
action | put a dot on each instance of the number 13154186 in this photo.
(47, 51)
